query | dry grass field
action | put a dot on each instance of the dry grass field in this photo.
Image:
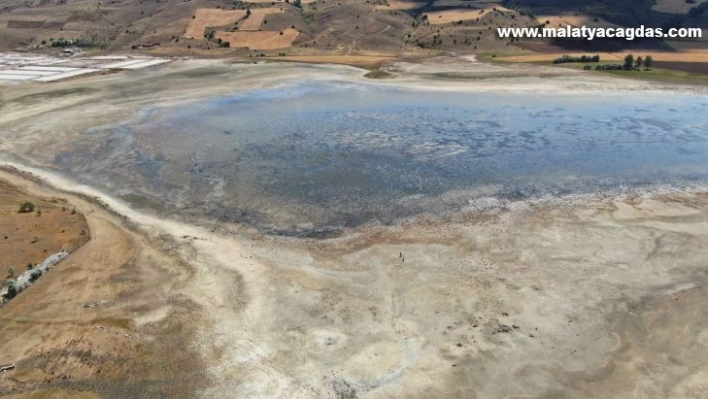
(401, 5)
(394, 27)
(97, 324)
(264, 40)
(207, 17)
(553, 21)
(449, 16)
(258, 15)
(31, 237)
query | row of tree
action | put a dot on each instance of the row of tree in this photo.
(636, 63)
(583, 58)
(630, 63)
(83, 43)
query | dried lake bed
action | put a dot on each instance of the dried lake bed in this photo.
(313, 157)
(507, 237)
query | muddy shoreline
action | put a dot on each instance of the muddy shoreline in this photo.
(584, 296)
(500, 263)
(319, 184)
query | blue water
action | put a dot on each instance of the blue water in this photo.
(335, 153)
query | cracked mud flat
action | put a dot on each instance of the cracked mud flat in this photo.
(311, 151)
(580, 295)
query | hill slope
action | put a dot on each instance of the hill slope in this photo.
(219, 27)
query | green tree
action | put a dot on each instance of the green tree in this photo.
(27, 207)
(35, 275)
(647, 62)
(638, 63)
(628, 61)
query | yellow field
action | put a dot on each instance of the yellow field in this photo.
(688, 56)
(449, 16)
(401, 5)
(563, 20)
(206, 17)
(255, 20)
(269, 40)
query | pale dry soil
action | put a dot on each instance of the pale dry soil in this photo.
(108, 321)
(575, 297)
(590, 297)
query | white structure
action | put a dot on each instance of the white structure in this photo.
(16, 67)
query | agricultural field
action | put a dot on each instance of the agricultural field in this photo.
(257, 17)
(401, 5)
(553, 21)
(667, 67)
(408, 28)
(210, 17)
(450, 16)
(264, 40)
(47, 226)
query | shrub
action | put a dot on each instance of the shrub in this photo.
(35, 275)
(11, 290)
(27, 207)
(84, 43)
(609, 67)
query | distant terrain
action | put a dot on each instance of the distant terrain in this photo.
(394, 27)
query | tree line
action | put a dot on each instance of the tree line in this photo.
(583, 58)
(630, 63)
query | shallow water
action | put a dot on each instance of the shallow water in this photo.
(316, 156)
